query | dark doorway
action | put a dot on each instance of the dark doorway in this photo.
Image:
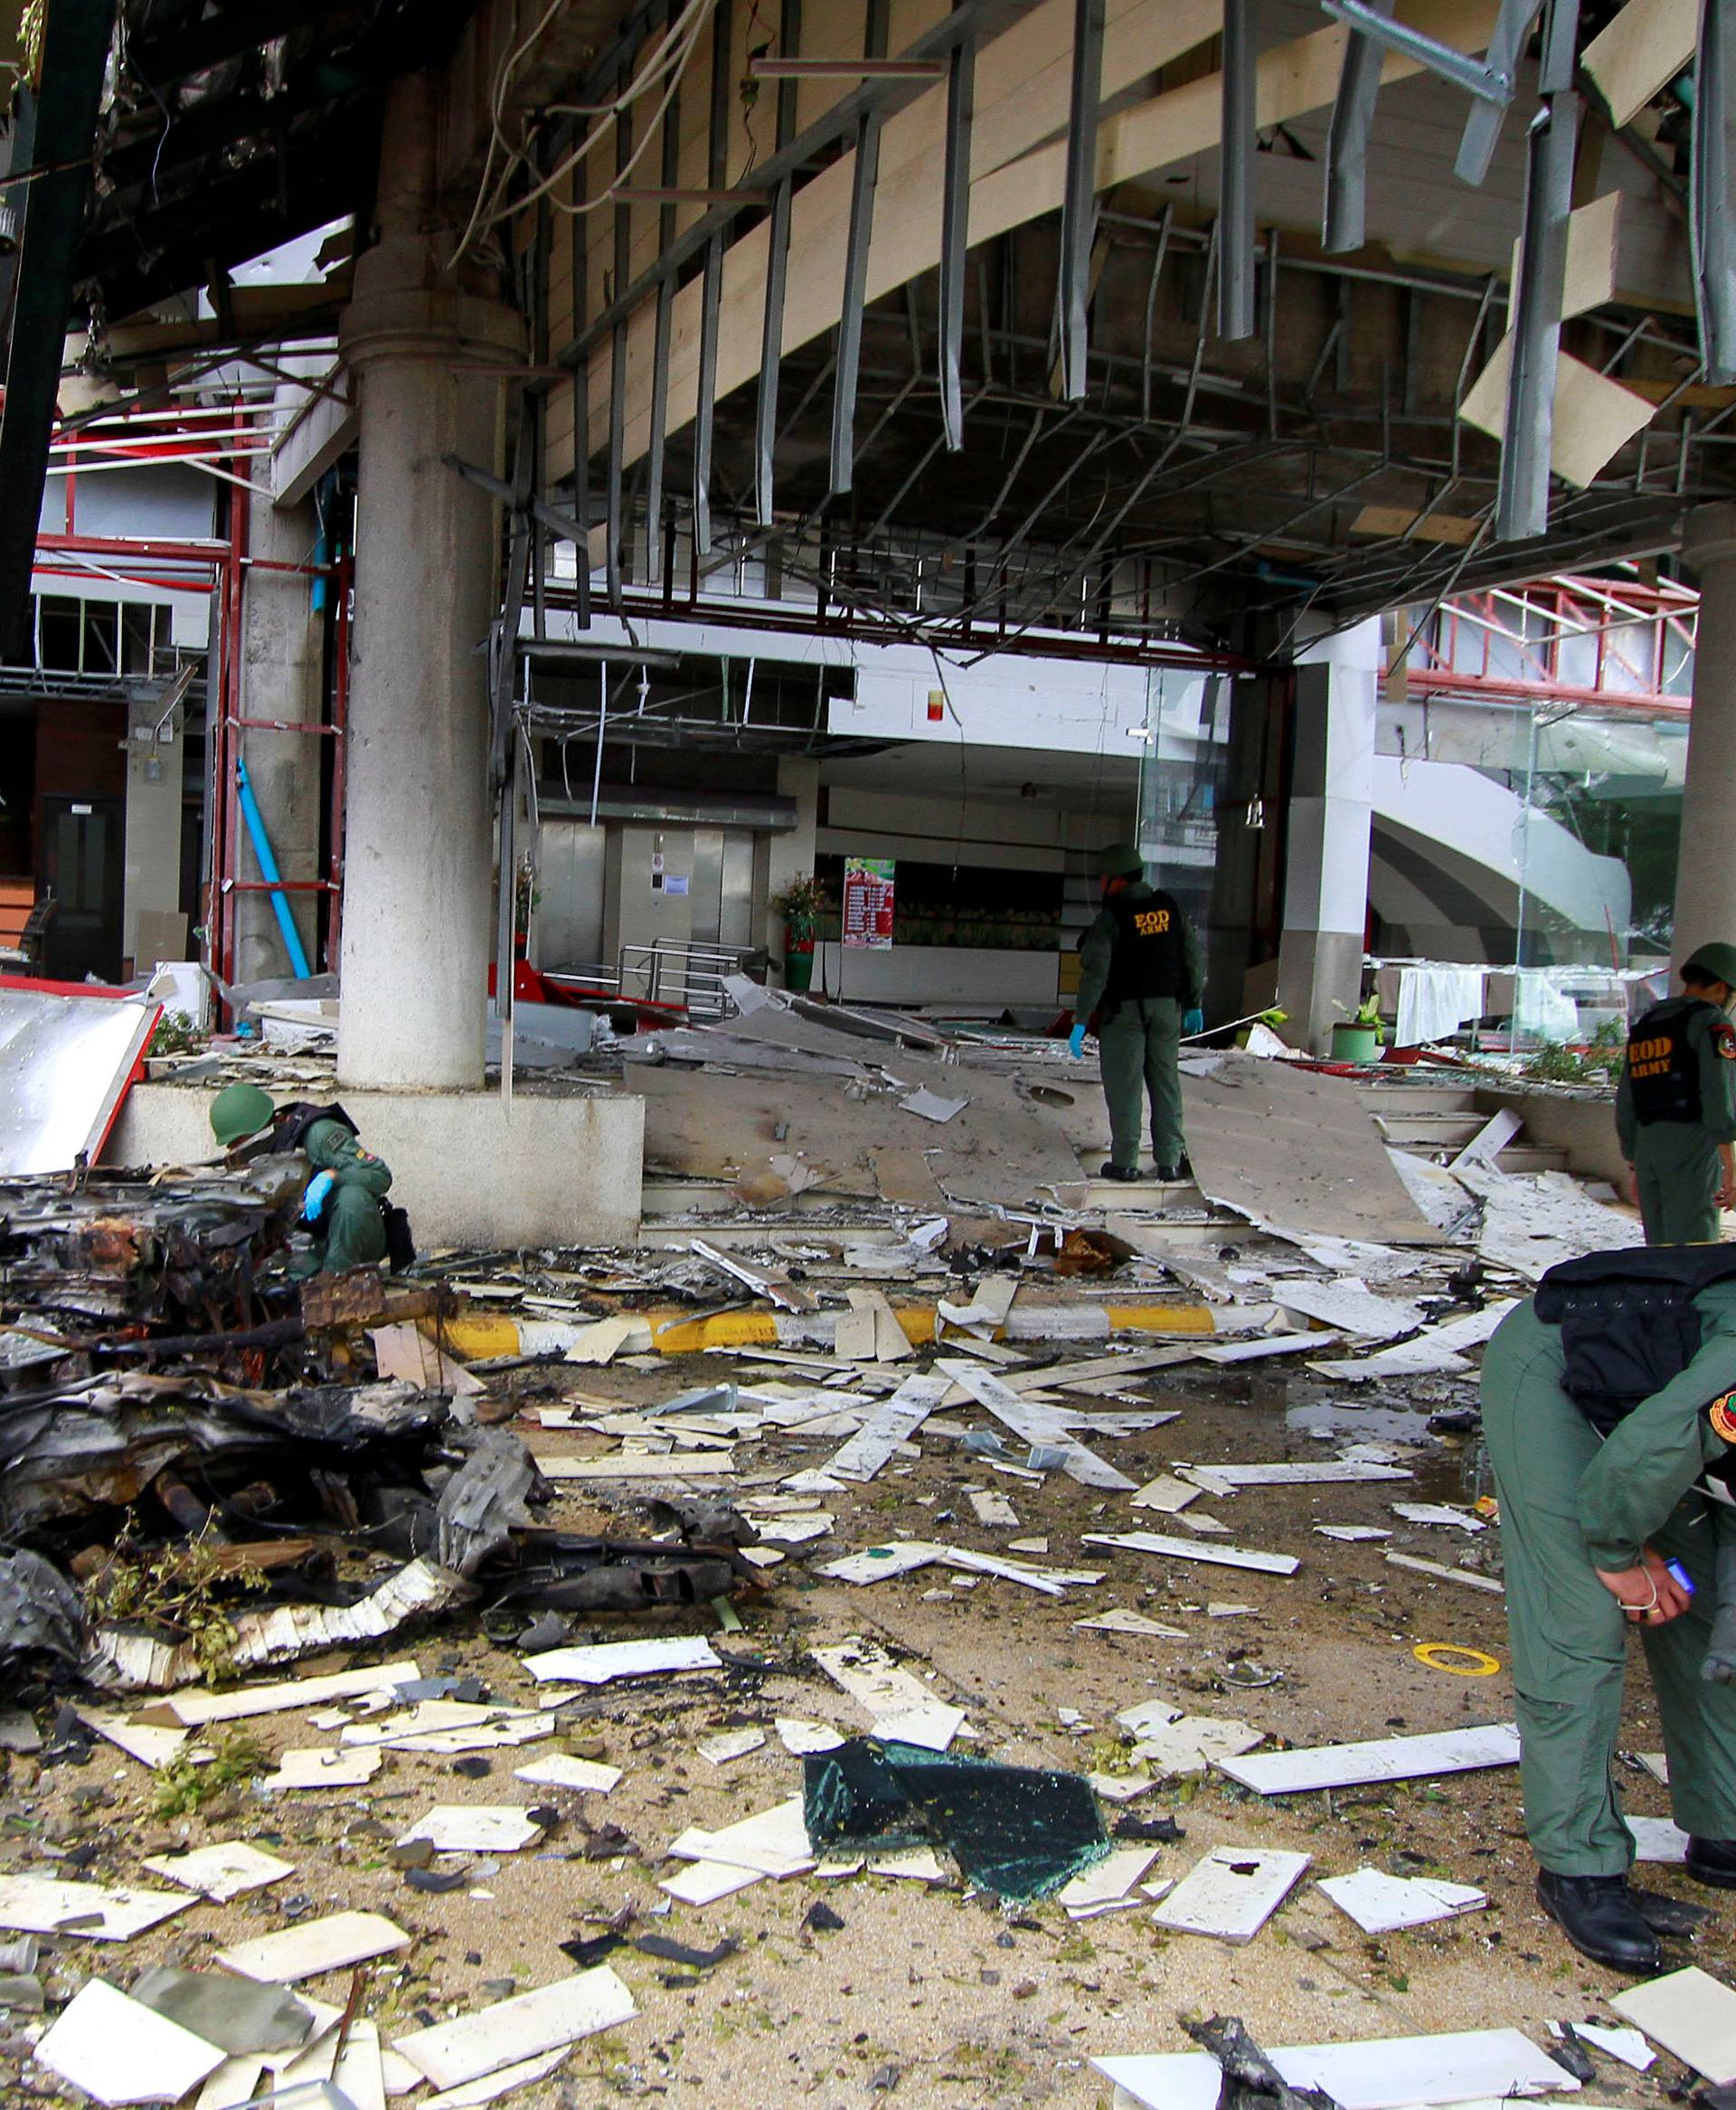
(83, 867)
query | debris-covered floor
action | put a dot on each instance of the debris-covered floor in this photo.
(848, 1650)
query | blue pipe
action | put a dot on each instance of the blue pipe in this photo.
(269, 873)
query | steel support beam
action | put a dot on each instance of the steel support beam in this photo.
(711, 280)
(1711, 201)
(75, 52)
(1475, 76)
(1079, 194)
(1483, 126)
(1236, 221)
(1352, 115)
(1522, 503)
(866, 175)
(771, 354)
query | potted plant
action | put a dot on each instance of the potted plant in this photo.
(801, 904)
(1356, 1038)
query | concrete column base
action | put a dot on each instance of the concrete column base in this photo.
(1319, 984)
(556, 1172)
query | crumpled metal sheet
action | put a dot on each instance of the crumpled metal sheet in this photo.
(121, 1662)
(66, 1059)
(41, 1612)
(102, 1442)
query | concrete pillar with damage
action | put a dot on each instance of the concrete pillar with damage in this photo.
(283, 678)
(424, 352)
(1705, 877)
(1326, 872)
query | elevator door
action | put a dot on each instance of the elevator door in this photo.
(723, 886)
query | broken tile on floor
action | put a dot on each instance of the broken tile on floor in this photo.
(1121, 1621)
(222, 1871)
(1692, 2015)
(1480, 2067)
(800, 1737)
(452, 2054)
(315, 1945)
(197, 1708)
(120, 2052)
(732, 1744)
(96, 1912)
(583, 1776)
(1344, 1765)
(315, 1766)
(475, 1828)
(1381, 1903)
(1657, 1840)
(1105, 1888)
(491, 2086)
(1232, 1893)
(597, 1664)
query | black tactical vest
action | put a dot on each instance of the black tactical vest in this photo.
(1148, 960)
(1663, 1070)
(1628, 1322)
(294, 1121)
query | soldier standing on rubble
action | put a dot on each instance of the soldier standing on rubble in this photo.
(1139, 970)
(1675, 1106)
(343, 1204)
(1606, 1401)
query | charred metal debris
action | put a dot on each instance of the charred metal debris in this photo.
(202, 1469)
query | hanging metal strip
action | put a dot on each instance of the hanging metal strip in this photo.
(955, 238)
(771, 354)
(1236, 222)
(1353, 114)
(855, 290)
(1714, 254)
(1079, 197)
(1483, 126)
(1522, 501)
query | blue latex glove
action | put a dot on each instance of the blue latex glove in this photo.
(1193, 1022)
(314, 1199)
(1076, 1042)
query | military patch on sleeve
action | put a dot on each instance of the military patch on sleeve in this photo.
(1724, 1038)
(1721, 1415)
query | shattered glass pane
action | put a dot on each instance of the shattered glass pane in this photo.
(1021, 1831)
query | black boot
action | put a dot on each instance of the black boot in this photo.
(1172, 1175)
(1713, 1861)
(1110, 1169)
(1598, 1915)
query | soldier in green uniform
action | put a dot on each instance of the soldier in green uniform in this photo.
(342, 1203)
(1139, 970)
(1675, 1106)
(1605, 1401)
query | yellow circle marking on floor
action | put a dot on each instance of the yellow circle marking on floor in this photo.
(1474, 1663)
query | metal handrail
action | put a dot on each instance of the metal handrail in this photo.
(677, 972)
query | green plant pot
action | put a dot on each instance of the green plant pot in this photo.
(798, 971)
(1355, 1043)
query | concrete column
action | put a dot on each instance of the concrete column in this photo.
(153, 829)
(1326, 872)
(282, 677)
(418, 842)
(1706, 874)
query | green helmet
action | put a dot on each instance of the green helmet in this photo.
(240, 1111)
(1121, 861)
(1718, 962)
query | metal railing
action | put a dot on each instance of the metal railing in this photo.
(674, 971)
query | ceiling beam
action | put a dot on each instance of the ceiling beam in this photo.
(1018, 165)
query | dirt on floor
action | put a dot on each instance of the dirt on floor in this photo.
(923, 1992)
